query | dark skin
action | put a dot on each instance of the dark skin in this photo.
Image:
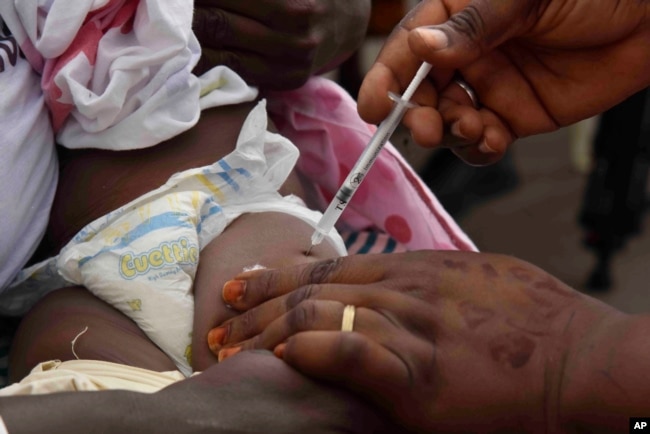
(278, 241)
(278, 44)
(324, 41)
(452, 341)
(85, 176)
(536, 65)
(246, 395)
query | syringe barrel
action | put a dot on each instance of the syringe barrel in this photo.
(333, 211)
(384, 131)
(358, 172)
(368, 157)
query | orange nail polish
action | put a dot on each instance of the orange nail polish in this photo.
(227, 352)
(216, 337)
(233, 290)
(279, 351)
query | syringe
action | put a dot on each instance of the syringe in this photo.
(384, 131)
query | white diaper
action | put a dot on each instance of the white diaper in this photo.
(142, 258)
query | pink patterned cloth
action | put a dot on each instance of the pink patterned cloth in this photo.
(322, 120)
(116, 74)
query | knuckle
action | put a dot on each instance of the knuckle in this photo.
(308, 44)
(199, 19)
(351, 348)
(303, 316)
(323, 271)
(212, 26)
(266, 285)
(254, 343)
(301, 8)
(300, 295)
(246, 323)
(469, 22)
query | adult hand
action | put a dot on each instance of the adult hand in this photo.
(255, 393)
(446, 341)
(536, 65)
(278, 44)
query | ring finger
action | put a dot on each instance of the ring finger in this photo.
(255, 320)
(321, 315)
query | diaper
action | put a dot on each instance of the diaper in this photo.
(142, 258)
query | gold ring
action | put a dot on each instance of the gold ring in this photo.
(348, 318)
(468, 90)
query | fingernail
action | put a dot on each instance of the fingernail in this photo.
(216, 337)
(455, 130)
(279, 351)
(233, 290)
(436, 39)
(485, 148)
(227, 352)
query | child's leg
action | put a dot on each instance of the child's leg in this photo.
(99, 332)
(49, 329)
(270, 239)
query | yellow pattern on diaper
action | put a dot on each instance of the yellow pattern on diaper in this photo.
(213, 188)
(144, 212)
(174, 202)
(115, 232)
(135, 305)
(196, 203)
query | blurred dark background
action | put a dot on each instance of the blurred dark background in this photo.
(573, 202)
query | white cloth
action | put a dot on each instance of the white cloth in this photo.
(28, 165)
(55, 376)
(117, 74)
(142, 258)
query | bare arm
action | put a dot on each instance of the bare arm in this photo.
(454, 341)
(607, 376)
(253, 393)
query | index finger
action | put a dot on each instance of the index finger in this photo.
(262, 285)
(396, 65)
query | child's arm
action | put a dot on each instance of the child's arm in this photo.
(273, 240)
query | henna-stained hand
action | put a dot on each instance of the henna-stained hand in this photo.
(536, 65)
(444, 341)
(278, 44)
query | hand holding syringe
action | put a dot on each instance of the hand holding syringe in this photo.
(367, 158)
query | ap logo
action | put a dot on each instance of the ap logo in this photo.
(640, 424)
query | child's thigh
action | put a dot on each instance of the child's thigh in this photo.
(71, 323)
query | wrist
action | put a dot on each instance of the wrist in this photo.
(606, 380)
(74, 412)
